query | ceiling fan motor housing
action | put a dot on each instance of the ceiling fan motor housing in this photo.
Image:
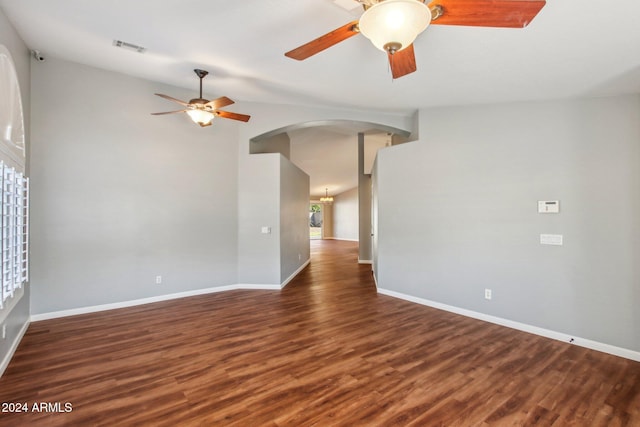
(198, 101)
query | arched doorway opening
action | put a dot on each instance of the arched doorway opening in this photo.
(337, 155)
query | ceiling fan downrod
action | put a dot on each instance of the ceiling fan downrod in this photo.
(201, 75)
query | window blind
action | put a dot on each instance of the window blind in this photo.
(14, 249)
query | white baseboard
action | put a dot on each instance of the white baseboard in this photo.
(256, 287)
(364, 261)
(14, 347)
(295, 273)
(131, 303)
(345, 240)
(560, 336)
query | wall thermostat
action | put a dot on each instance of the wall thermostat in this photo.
(549, 206)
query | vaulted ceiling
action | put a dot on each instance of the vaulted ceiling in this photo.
(573, 48)
(329, 156)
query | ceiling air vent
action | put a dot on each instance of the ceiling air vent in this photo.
(129, 46)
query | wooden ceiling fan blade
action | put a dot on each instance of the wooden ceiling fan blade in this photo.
(169, 112)
(324, 42)
(233, 116)
(487, 13)
(170, 98)
(402, 62)
(223, 101)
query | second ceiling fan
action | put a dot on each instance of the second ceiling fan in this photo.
(202, 111)
(393, 25)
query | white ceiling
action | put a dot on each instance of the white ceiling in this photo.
(328, 156)
(572, 48)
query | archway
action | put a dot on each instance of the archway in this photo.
(329, 145)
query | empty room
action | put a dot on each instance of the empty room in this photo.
(320, 213)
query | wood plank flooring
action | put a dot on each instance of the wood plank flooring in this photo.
(325, 351)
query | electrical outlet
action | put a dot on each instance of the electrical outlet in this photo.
(4, 331)
(299, 257)
(487, 294)
(158, 280)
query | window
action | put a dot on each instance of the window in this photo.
(315, 221)
(14, 250)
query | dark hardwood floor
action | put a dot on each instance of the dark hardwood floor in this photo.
(327, 350)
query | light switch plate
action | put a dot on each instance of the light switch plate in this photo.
(266, 230)
(551, 239)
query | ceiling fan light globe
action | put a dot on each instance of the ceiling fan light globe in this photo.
(201, 117)
(394, 22)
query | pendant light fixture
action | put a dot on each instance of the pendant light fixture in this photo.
(326, 198)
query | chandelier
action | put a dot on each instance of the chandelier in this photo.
(326, 198)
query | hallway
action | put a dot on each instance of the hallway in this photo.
(334, 270)
(327, 350)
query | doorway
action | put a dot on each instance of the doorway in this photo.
(315, 221)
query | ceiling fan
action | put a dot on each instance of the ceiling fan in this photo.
(393, 25)
(203, 111)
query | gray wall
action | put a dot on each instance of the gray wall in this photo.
(19, 315)
(120, 196)
(280, 143)
(276, 193)
(345, 215)
(364, 206)
(375, 229)
(259, 253)
(457, 214)
(327, 219)
(294, 218)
